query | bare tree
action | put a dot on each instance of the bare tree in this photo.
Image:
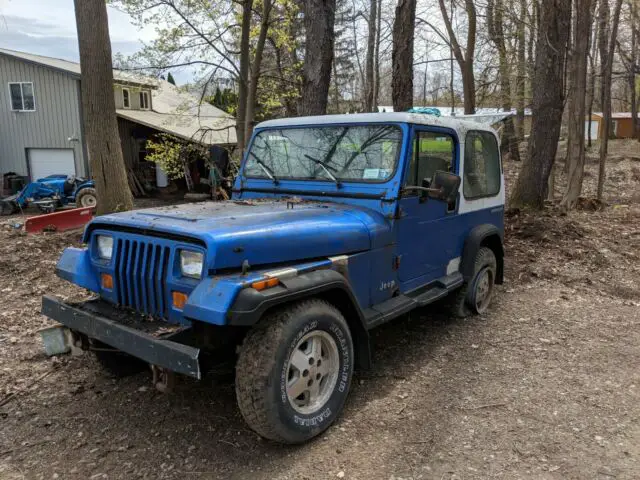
(370, 59)
(631, 65)
(376, 57)
(521, 70)
(319, 19)
(243, 77)
(591, 90)
(495, 23)
(219, 38)
(254, 70)
(99, 108)
(583, 20)
(464, 59)
(547, 104)
(402, 56)
(607, 45)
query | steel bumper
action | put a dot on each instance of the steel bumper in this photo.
(96, 319)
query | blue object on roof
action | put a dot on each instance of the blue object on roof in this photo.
(425, 111)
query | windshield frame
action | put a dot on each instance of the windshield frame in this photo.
(396, 164)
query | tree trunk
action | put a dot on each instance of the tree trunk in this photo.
(591, 92)
(319, 19)
(369, 62)
(534, 26)
(255, 71)
(99, 108)
(376, 90)
(496, 34)
(576, 107)
(606, 58)
(243, 78)
(465, 60)
(547, 104)
(402, 55)
(521, 71)
(635, 33)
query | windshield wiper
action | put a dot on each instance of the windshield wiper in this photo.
(265, 169)
(325, 168)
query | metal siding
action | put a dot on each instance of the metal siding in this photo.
(57, 115)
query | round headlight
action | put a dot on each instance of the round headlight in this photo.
(105, 246)
(191, 264)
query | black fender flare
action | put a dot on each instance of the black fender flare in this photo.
(250, 305)
(483, 235)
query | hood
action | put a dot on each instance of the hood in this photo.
(261, 232)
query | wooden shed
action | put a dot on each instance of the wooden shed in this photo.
(621, 125)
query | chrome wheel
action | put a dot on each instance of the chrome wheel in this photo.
(483, 290)
(312, 371)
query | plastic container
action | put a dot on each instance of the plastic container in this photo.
(54, 340)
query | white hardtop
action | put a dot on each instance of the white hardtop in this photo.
(390, 117)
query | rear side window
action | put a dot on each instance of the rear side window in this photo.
(481, 165)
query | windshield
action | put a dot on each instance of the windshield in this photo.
(332, 153)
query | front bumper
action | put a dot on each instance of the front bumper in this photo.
(125, 331)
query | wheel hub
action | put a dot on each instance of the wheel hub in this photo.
(89, 201)
(312, 371)
(484, 286)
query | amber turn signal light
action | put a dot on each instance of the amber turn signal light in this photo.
(106, 281)
(179, 300)
(268, 283)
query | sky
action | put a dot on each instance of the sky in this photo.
(47, 27)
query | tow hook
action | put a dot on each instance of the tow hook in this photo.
(164, 380)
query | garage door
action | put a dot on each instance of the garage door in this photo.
(51, 161)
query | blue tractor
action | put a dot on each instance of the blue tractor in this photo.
(337, 224)
(51, 193)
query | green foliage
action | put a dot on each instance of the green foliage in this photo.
(172, 154)
(170, 79)
(226, 100)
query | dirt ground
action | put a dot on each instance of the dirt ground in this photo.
(546, 385)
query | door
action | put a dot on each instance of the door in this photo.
(593, 126)
(50, 161)
(424, 231)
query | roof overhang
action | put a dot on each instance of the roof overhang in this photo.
(205, 131)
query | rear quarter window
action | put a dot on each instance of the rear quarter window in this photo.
(482, 171)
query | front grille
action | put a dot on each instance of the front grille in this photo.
(140, 272)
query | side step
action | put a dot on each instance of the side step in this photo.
(397, 306)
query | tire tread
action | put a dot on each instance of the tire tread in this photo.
(485, 256)
(253, 369)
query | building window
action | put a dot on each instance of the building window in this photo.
(22, 99)
(481, 165)
(126, 100)
(144, 100)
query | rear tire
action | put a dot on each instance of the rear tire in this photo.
(475, 295)
(87, 197)
(7, 208)
(294, 371)
(117, 363)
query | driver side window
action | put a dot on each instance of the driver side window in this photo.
(431, 152)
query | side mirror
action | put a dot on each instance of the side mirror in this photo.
(443, 186)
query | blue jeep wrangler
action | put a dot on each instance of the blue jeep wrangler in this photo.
(337, 224)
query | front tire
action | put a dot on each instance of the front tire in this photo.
(294, 371)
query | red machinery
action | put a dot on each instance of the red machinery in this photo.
(59, 221)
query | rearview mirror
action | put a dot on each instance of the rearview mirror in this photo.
(443, 186)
